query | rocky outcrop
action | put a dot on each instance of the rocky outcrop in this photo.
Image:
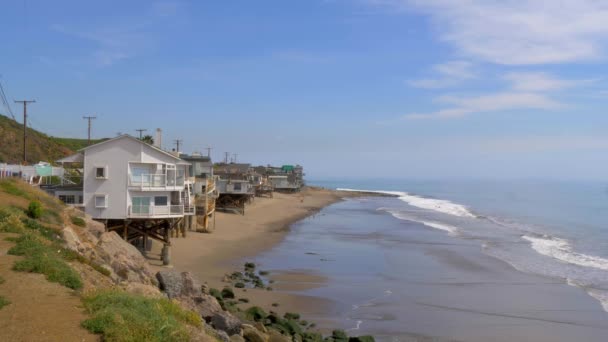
(184, 288)
(251, 334)
(109, 250)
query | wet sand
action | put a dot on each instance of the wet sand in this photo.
(239, 237)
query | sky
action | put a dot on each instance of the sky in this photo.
(424, 89)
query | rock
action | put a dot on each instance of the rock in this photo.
(186, 289)
(222, 336)
(226, 322)
(260, 327)
(144, 290)
(237, 338)
(126, 260)
(365, 338)
(275, 336)
(252, 334)
(205, 289)
(297, 338)
(72, 240)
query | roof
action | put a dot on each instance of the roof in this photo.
(195, 158)
(134, 139)
(232, 168)
(74, 158)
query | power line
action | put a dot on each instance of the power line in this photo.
(25, 102)
(5, 101)
(89, 118)
(141, 130)
(177, 142)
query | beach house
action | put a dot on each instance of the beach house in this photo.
(135, 188)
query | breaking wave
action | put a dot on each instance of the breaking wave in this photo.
(439, 205)
(561, 250)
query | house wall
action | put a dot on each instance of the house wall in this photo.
(115, 155)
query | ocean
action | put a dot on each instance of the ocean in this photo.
(459, 260)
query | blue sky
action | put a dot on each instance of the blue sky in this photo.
(368, 88)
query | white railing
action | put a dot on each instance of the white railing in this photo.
(155, 211)
(156, 180)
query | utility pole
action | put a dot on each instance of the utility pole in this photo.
(141, 130)
(208, 151)
(226, 157)
(89, 118)
(234, 157)
(25, 102)
(177, 142)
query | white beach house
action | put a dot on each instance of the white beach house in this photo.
(125, 178)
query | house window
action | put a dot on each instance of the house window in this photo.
(160, 201)
(80, 201)
(62, 198)
(101, 172)
(101, 201)
(69, 199)
(237, 186)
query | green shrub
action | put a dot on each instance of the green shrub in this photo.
(227, 293)
(120, 316)
(216, 293)
(239, 285)
(243, 300)
(312, 337)
(264, 273)
(4, 302)
(78, 221)
(11, 223)
(46, 232)
(249, 266)
(292, 315)
(255, 313)
(34, 210)
(339, 335)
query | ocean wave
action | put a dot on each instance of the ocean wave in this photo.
(439, 205)
(561, 250)
(451, 230)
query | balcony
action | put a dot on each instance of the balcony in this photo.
(148, 211)
(155, 181)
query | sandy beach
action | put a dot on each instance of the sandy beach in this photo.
(238, 237)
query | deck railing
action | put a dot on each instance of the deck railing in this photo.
(155, 211)
(156, 180)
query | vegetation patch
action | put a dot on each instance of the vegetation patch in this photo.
(13, 187)
(120, 316)
(34, 210)
(78, 221)
(44, 259)
(3, 302)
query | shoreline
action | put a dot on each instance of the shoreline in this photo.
(211, 256)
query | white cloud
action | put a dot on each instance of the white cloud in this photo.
(504, 101)
(540, 81)
(450, 74)
(518, 32)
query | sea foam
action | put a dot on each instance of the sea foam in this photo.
(451, 230)
(561, 249)
(439, 205)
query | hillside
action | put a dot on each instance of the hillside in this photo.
(40, 147)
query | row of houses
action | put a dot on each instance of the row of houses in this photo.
(144, 192)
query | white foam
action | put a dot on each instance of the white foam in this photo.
(442, 206)
(602, 296)
(451, 230)
(561, 250)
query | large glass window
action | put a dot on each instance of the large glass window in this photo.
(160, 201)
(141, 205)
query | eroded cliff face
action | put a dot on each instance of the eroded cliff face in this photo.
(129, 270)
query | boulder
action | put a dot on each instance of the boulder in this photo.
(226, 322)
(222, 336)
(186, 289)
(126, 260)
(252, 334)
(237, 338)
(275, 336)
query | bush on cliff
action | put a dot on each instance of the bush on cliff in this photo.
(34, 210)
(120, 316)
(255, 313)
